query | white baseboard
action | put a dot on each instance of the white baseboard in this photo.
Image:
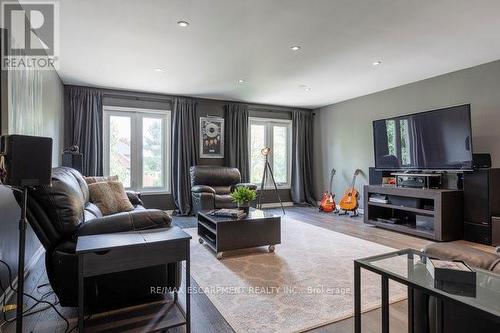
(27, 269)
(361, 211)
(277, 204)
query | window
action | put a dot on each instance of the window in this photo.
(276, 134)
(398, 139)
(137, 147)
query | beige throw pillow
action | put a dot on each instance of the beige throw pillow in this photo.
(92, 180)
(109, 197)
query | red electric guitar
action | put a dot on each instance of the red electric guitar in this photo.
(327, 203)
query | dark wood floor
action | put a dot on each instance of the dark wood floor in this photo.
(206, 318)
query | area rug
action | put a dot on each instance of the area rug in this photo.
(306, 283)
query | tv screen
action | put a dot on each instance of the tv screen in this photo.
(438, 139)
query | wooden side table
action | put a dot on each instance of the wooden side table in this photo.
(118, 252)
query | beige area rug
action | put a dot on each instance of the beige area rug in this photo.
(308, 282)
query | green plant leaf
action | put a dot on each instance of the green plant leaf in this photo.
(243, 194)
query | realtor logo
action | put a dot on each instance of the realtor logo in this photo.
(31, 34)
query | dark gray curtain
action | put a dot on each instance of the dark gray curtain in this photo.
(236, 145)
(184, 152)
(83, 123)
(302, 135)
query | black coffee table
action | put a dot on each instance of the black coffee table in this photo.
(258, 228)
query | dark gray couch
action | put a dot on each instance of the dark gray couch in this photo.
(455, 318)
(60, 213)
(211, 187)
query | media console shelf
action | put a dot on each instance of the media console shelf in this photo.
(435, 214)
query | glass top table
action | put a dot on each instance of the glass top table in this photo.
(409, 268)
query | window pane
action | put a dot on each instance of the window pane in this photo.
(391, 136)
(405, 142)
(152, 152)
(119, 148)
(257, 142)
(280, 152)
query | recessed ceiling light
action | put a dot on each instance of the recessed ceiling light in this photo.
(308, 89)
(159, 70)
(182, 24)
(376, 63)
(295, 47)
(240, 81)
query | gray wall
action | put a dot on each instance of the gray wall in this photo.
(205, 107)
(52, 110)
(345, 129)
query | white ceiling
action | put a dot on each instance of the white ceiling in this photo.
(118, 43)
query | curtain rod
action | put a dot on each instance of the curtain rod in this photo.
(137, 98)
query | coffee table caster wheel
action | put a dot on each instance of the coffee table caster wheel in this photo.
(219, 255)
(201, 240)
(271, 248)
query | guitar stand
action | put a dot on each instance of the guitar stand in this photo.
(346, 212)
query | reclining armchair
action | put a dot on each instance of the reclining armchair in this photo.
(211, 187)
(60, 213)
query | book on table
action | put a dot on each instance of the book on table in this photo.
(454, 277)
(233, 213)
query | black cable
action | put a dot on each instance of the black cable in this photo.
(27, 311)
(38, 301)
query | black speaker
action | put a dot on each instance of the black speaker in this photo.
(27, 160)
(73, 160)
(481, 203)
(481, 161)
(375, 176)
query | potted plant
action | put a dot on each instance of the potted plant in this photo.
(243, 196)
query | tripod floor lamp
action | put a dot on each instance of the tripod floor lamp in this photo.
(265, 176)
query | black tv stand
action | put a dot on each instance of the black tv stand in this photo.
(435, 214)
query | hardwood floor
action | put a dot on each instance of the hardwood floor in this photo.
(206, 318)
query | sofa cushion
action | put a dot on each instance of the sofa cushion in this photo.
(224, 201)
(134, 198)
(212, 175)
(101, 179)
(65, 200)
(202, 189)
(222, 190)
(138, 219)
(470, 255)
(91, 211)
(110, 197)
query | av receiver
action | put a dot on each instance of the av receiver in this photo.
(418, 180)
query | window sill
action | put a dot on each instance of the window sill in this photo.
(144, 192)
(266, 188)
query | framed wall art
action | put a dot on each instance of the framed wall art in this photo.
(211, 137)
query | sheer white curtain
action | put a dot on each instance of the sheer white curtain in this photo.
(25, 101)
(25, 109)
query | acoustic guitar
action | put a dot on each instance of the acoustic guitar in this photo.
(349, 201)
(327, 203)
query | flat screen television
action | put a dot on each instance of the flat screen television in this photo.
(433, 140)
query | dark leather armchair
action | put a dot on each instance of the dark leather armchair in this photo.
(455, 317)
(60, 213)
(211, 187)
